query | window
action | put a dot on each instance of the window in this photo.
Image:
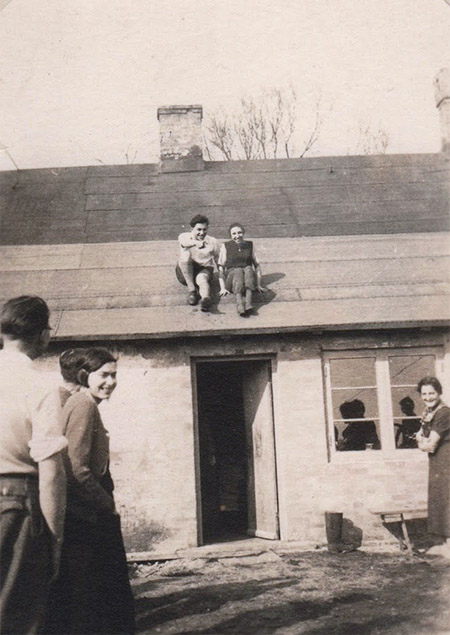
(372, 403)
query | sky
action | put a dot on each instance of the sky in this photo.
(81, 80)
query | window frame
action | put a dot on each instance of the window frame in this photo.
(384, 400)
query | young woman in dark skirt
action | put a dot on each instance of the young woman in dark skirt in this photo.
(92, 594)
(239, 269)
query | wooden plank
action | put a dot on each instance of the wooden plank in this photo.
(115, 220)
(377, 291)
(355, 161)
(253, 215)
(145, 281)
(270, 196)
(274, 250)
(176, 297)
(138, 170)
(42, 258)
(275, 317)
(231, 181)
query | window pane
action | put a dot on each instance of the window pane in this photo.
(406, 371)
(352, 371)
(409, 369)
(357, 436)
(360, 406)
(406, 402)
(368, 397)
(407, 408)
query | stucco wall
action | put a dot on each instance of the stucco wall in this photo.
(151, 422)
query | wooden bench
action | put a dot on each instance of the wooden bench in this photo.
(401, 516)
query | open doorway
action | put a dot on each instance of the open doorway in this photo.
(237, 478)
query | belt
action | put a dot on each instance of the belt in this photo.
(18, 484)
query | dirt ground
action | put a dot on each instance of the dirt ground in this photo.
(314, 592)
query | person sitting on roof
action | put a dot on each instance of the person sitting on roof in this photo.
(198, 255)
(239, 269)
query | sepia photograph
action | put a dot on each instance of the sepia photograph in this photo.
(225, 317)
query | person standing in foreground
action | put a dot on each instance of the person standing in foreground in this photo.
(198, 256)
(434, 438)
(92, 594)
(32, 477)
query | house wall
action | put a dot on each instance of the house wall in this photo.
(152, 427)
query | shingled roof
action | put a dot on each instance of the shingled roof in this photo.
(345, 242)
(274, 198)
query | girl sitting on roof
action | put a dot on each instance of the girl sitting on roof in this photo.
(239, 269)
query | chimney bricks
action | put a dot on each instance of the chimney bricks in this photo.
(181, 138)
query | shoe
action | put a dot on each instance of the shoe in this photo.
(193, 298)
(248, 304)
(341, 547)
(439, 550)
(205, 304)
(240, 308)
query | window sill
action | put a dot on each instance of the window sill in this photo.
(377, 456)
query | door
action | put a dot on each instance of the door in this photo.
(261, 465)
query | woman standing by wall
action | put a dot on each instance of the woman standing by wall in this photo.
(434, 438)
(93, 593)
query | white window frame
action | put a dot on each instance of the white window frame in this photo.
(384, 400)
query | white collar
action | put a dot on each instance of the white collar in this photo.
(17, 357)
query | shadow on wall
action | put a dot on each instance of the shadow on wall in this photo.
(351, 534)
(139, 533)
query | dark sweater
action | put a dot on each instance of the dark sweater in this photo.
(239, 255)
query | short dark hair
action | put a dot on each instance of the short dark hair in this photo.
(430, 381)
(70, 363)
(352, 409)
(407, 402)
(94, 358)
(199, 218)
(236, 225)
(24, 317)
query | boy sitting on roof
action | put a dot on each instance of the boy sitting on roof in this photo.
(239, 269)
(198, 255)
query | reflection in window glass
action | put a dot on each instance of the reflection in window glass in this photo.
(368, 396)
(355, 407)
(405, 372)
(358, 383)
(409, 369)
(353, 372)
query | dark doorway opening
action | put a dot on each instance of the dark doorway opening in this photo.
(223, 469)
(237, 477)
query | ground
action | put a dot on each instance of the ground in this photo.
(314, 593)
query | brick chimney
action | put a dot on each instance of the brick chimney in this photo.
(442, 96)
(180, 131)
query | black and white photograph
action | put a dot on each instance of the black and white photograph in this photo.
(225, 317)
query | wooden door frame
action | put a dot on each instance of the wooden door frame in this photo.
(271, 359)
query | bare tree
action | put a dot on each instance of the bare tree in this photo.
(130, 159)
(371, 140)
(4, 149)
(261, 127)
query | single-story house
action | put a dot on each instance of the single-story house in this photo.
(222, 425)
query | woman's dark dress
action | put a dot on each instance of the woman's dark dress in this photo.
(92, 594)
(439, 476)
